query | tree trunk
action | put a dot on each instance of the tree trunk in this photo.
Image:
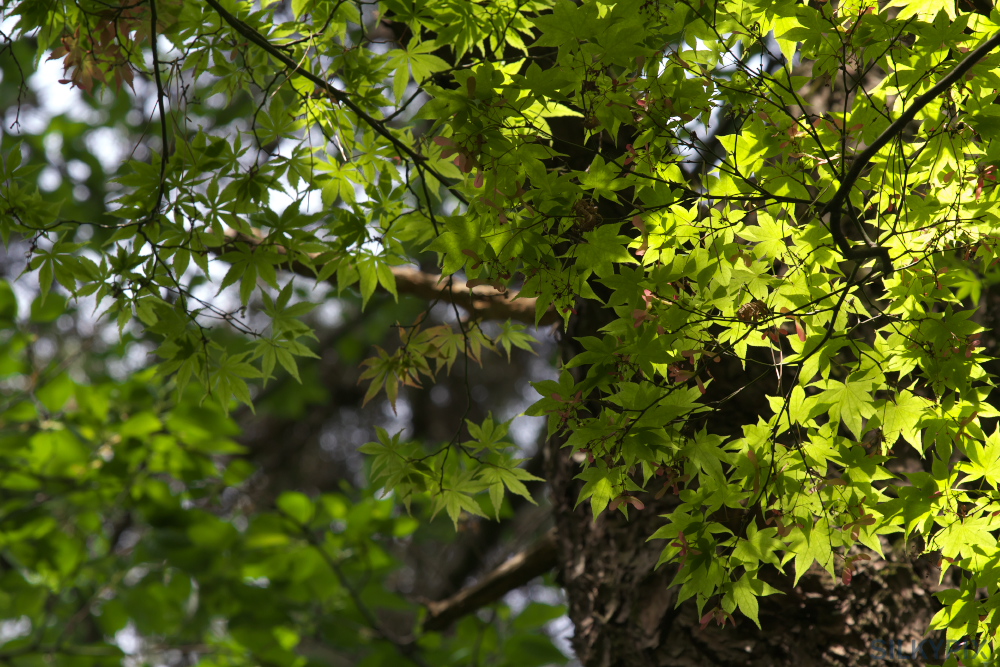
(625, 613)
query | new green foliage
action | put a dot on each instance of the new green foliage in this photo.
(779, 336)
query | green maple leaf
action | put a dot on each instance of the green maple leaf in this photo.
(984, 460)
(599, 487)
(849, 402)
(902, 418)
(604, 248)
(965, 538)
(925, 10)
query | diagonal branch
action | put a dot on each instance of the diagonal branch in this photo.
(481, 301)
(834, 206)
(521, 568)
(338, 95)
(862, 160)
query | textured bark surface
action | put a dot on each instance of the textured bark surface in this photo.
(625, 614)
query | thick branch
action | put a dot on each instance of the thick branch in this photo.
(481, 301)
(517, 571)
(834, 206)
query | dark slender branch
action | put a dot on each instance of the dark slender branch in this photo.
(517, 571)
(160, 94)
(92, 651)
(470, 548)
(862, 160)
(22, 85)
(338, 95)
(407, 648)
(834, 206)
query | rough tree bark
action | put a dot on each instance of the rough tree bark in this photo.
(625, 612)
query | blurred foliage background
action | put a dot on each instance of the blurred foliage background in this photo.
(139, 527)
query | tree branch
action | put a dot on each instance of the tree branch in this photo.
(517, 571)
(160, 95)
(862, 160)
(834, 206)
(481, 301)
(467, 553)
(338, 95)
